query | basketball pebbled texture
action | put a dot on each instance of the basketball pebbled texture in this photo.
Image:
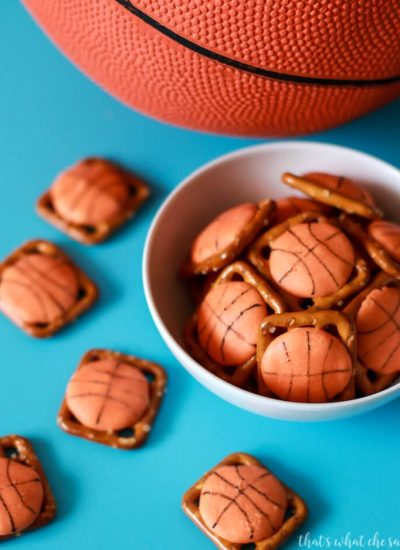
(165, 77)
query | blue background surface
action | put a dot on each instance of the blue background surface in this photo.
(348, 471)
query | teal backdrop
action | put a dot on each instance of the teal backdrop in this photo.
(348, 471)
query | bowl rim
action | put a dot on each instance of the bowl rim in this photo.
(175, 347)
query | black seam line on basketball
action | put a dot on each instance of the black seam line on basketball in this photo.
(232, 501)
(249, 485)
(301, 259)
(224, 291)
(292, 373)
(251, 69)
(101, 189)
(104, 383)
(21, 498)
(323, 243)
(245, 495)
(94, 394)
(3, 502)
(308, 365)
(299, 240)
(388, 313)
(299, 375)
(218, 316)
(101, 192)
(261, 493)
(44, 290)
(230, 328)
(211, 318)
(87, 187)
(46, 276)
(323, 373)
(107, 392)
(35, 294)
(34, 480)
(225, 308)
(119, 376)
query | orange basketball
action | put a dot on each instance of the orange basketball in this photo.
(246, 67)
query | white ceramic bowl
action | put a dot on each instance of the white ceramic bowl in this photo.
(250, 174)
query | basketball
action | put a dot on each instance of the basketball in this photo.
(108, 395)
(311, 260)
(21, 496)
(227, 322)
(38, 289)
(245, 67)
(243, 503)
(307, 365)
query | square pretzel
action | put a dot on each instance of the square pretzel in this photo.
(331, 197)
(344, 328)
(375, 251)
(266, 211)
(87, 294)
(138, 193)
(20, 449)
(368, 381)
(239, 375)
(296, 507)
(139, 431)
(260, 250)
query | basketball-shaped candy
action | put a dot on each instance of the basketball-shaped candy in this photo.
(388, 235)
(246, 67)
(243, 503)
(310, 260)
(222, 232)
(345, 186)
(108, 395)
(307, 365)
(291, 206)
(38, 289)
(21, 496)
(91, 193)
(227, 322)
(378, 330)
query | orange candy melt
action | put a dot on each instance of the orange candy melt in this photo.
(222, 231)
(21, 492)
(378, 330)
(311, 260)
(291, 206)
(228, 321)
(38, 289)
(91, 193)
(306, 365)
(345, 186)
(108, 395)
(388, 235)
(243, 503)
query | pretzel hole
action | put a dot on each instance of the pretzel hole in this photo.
(89, 229)
(305, 303)
(265, 252)
(126, 433)
(150, 376)
(39, 325)
(81, 293)
(248, 546)
(133, 191)
(11, 452)
(372, 375)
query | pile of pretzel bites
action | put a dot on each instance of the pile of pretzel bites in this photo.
(299, 298)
